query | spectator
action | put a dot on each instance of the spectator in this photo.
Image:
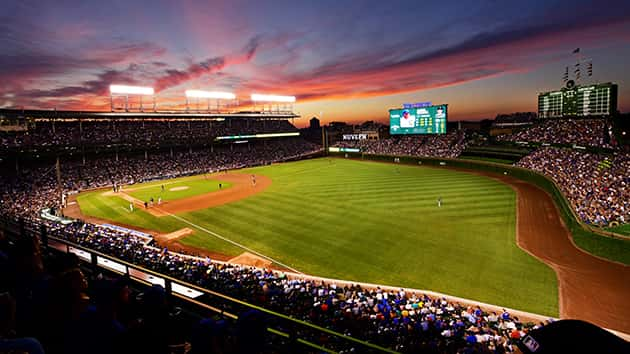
(597, 186)
(584, 132)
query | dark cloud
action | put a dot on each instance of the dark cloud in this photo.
(175, 77)
(294, 62)
(390, 71)
(99, 86)
(252, 46)
(17, 69)
(525, 34)
(47, 65)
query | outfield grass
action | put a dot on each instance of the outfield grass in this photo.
(379, 223)
(196, 185)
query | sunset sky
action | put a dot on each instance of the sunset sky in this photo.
(349, 60)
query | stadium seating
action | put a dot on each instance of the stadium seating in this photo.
(582, 132)
(404, 321)
(407, 322)
(400, 320)
(598, 186)
(448, 145)
(35, 186)
(135, 133)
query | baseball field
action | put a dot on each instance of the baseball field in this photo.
(360, 221)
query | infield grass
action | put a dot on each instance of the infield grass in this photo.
(377, 223)
(176, 189)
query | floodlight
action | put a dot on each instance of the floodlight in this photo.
(272, 98)
(210, 94)
(131, 90)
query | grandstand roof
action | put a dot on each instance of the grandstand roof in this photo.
(54, 114)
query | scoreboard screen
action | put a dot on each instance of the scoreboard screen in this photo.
(580, 101)
(596, 100)
(422, 120)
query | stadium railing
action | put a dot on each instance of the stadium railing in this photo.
(296, 333)
(571, 220)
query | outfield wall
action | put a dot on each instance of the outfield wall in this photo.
(571, 220)
(495, 168)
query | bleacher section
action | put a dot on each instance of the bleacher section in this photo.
(59, 134)
(446, 145)
(566, 132)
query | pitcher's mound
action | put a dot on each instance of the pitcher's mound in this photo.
(247, 258)
(175, 189)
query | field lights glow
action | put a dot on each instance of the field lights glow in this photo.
(272, 98)
(210, 94)
(131, 90)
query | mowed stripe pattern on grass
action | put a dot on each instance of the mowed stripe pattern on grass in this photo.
(184, 189)
(117, 210)
(380, 223)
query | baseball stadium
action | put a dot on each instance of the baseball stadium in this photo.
(225, 223)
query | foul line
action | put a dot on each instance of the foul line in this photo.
(232, 242)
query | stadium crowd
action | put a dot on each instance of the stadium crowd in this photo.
(448, 145)
(405, 321)
(49, 305)
(402, 320)
(36, 188)
(597, 186)
(135, 132)
(583, 132)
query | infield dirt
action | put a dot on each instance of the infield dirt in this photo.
(590, 288)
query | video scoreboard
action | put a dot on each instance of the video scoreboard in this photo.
(579, 101)
(418, 120)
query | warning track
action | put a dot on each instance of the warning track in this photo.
(590, 288)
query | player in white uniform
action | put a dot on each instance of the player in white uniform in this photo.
(407, 120)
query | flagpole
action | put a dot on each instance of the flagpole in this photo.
(577, 72)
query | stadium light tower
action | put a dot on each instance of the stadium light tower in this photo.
(210, 96)
(281, 103)
(125, 91)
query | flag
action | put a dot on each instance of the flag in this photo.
(576, 50)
